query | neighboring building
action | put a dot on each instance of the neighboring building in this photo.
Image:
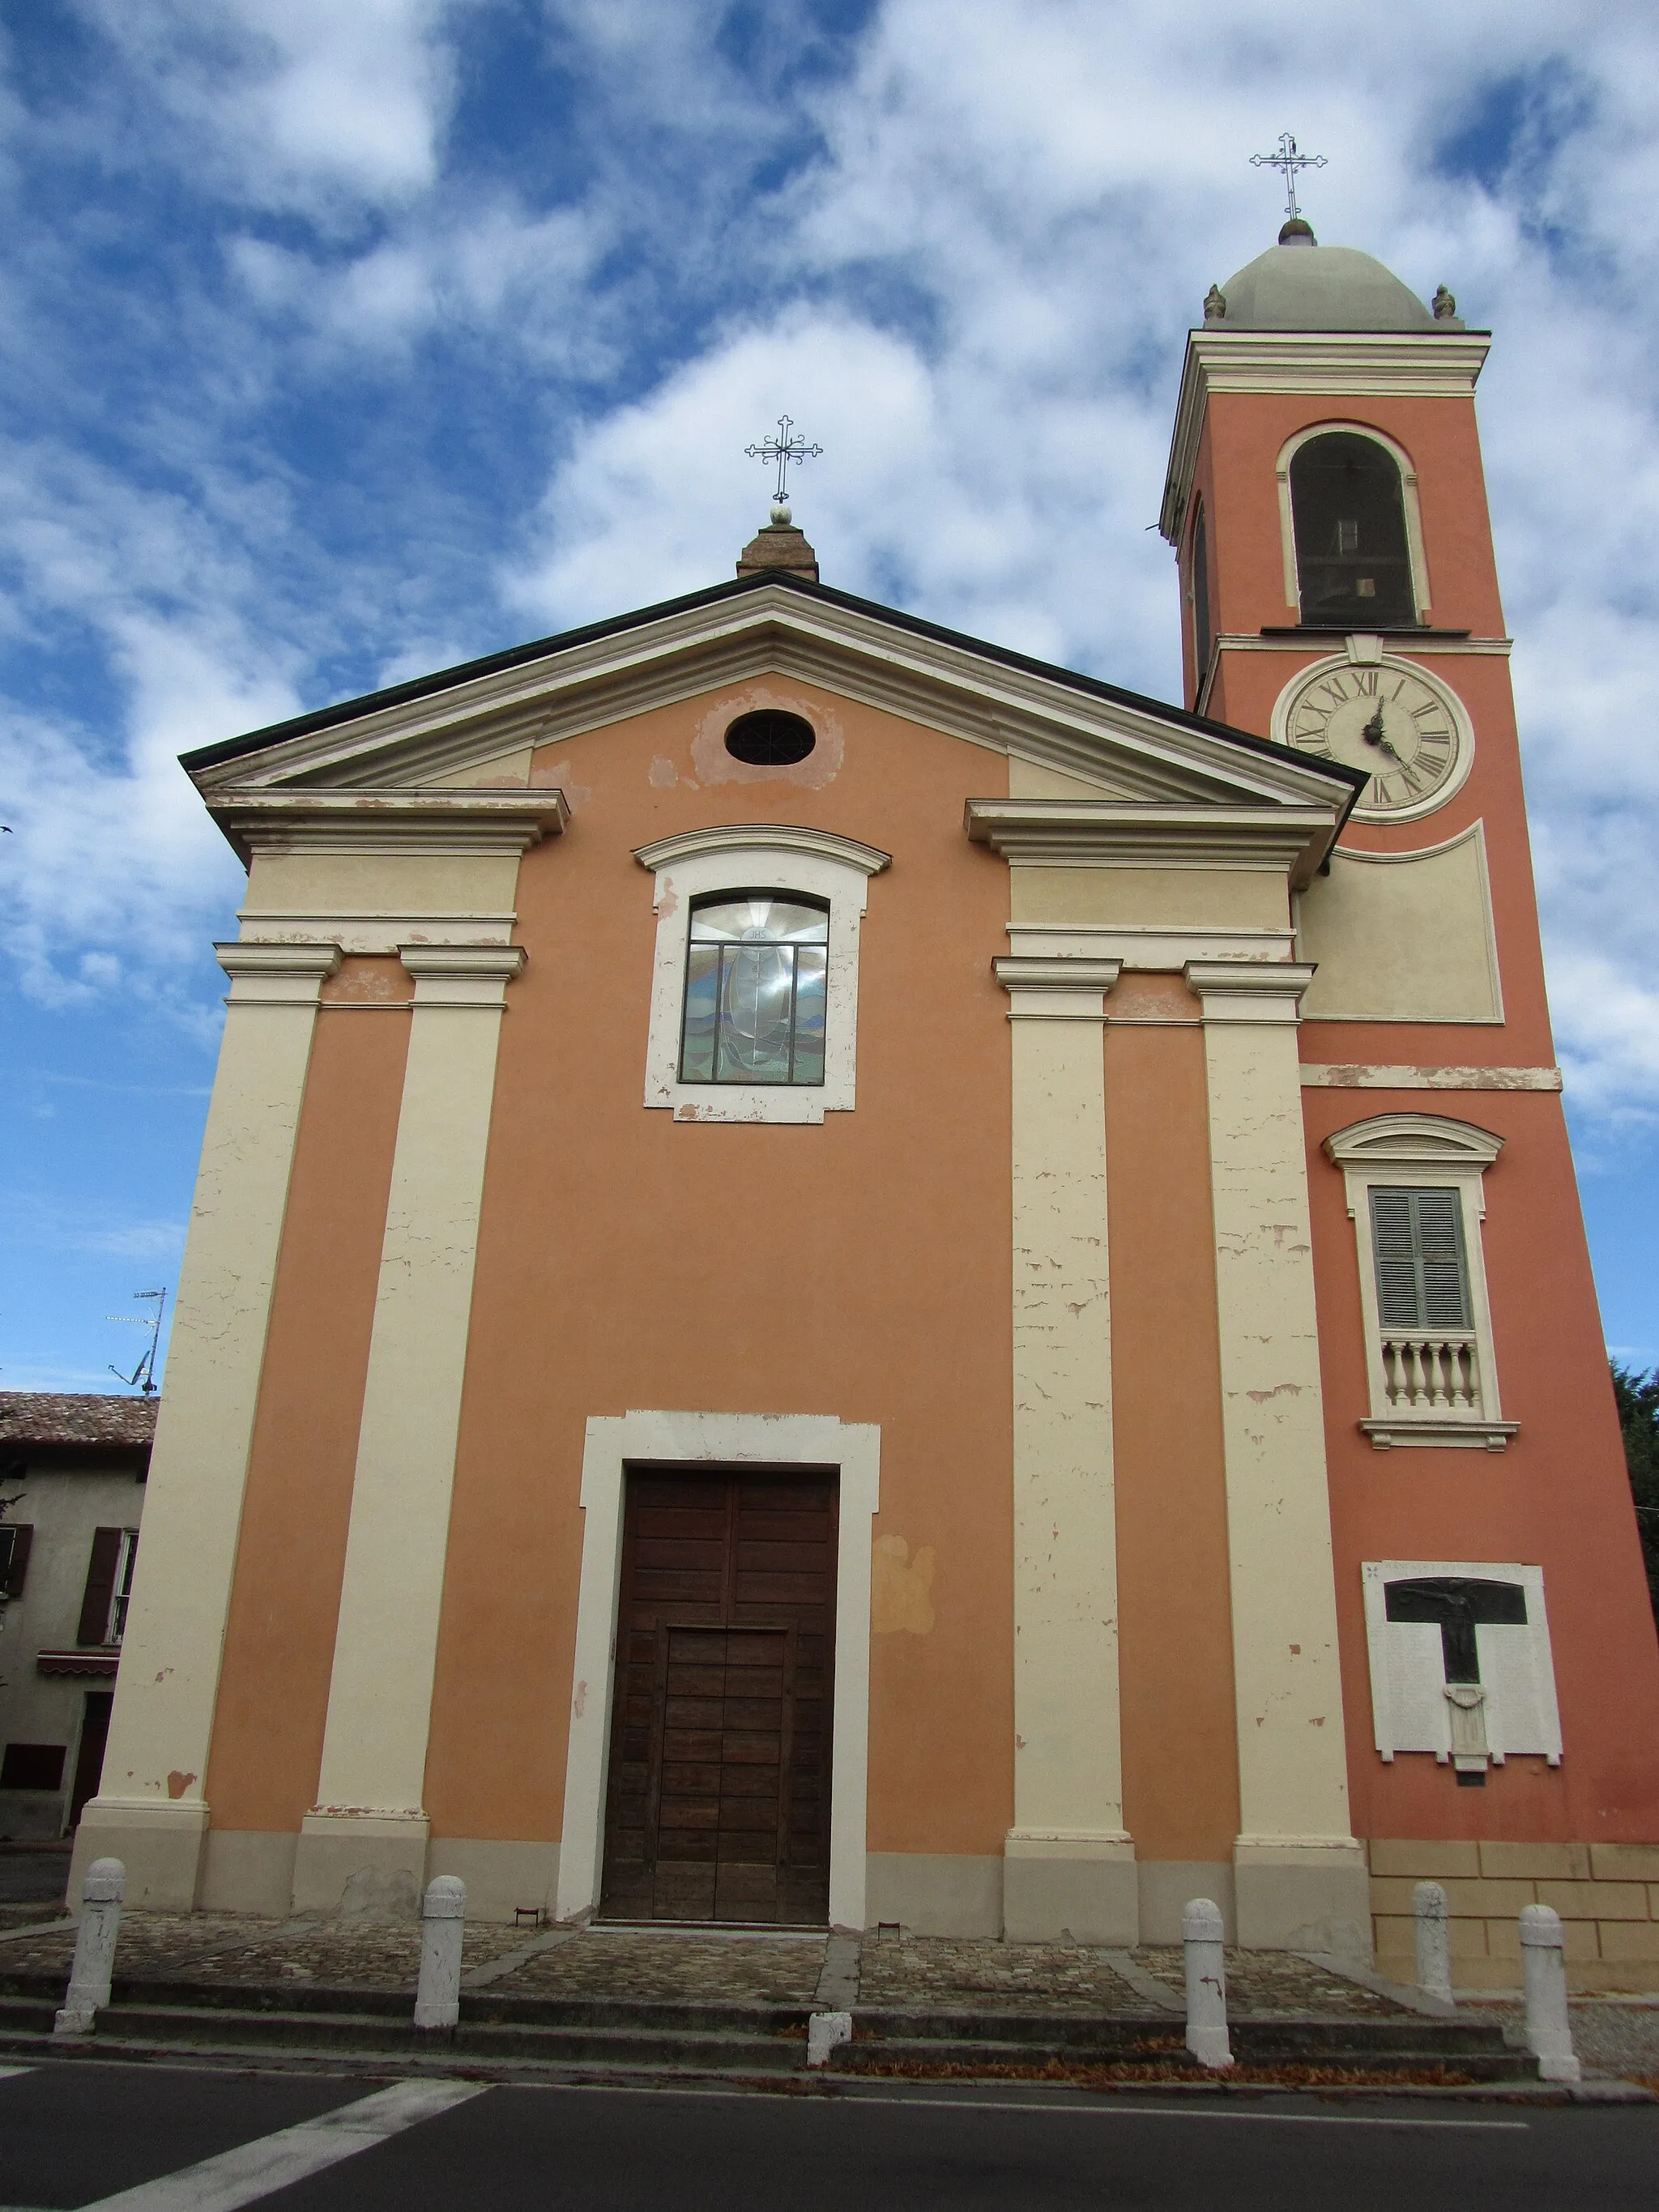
(838, 1273)
(72, 1472)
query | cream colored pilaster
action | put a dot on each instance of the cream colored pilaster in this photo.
(369, 1822)
(1301, 1879)
(150, 1813)
(1068, 1863)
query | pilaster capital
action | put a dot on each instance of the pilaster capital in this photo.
(1056, 988)
(1257, 992)
(462, 974)
(276, 975)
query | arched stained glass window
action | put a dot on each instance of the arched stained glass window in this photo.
(1352, 558)
(754, 973)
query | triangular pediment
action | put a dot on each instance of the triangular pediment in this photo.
(476, 726)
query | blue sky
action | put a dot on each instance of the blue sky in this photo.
(344, 339)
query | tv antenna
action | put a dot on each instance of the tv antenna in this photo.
(142, 1378)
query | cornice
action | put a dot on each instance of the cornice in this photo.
(978, 693)
(467, 978)
(1324, 364)
(1061, 987)
(1412, 1140)
(763, 837)
(1059, 972)
(1289, 840)
(1249, 991)
(276, 975)
(263, 821)
(1406, 645)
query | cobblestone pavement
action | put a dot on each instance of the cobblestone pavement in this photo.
(991, 1976)
(603, 1962)
(1270, 1984)
(1611, 2035)
(208, 1947)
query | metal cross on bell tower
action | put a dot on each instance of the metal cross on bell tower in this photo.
(1290, 161)
(783, 449)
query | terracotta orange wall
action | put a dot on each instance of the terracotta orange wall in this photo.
(1180, 1756)
(861, 1268)
(279, 1646)
(1558, 1497)
(1245, 433)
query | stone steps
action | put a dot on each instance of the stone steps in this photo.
(616, 2035)
(884, 2038)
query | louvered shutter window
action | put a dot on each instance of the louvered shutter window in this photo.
(1422, 1281)
(99, 1594)
(15, 1539)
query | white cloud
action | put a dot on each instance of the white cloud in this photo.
(971, 288)
(294, 103)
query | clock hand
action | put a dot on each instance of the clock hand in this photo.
(1373, 732)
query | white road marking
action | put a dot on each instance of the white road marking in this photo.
(253, 2170)
(841, 2102)
(10, 2074)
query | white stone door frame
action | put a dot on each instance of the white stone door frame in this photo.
(617, 1442)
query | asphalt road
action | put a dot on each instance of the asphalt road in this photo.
(83, 2134)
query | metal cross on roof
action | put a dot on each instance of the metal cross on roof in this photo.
(1290, 161)
(783, 449)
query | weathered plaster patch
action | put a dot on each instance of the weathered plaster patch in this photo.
(663, 776)
(901, 1588)
(713, 764)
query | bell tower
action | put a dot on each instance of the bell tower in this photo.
(1339, 595)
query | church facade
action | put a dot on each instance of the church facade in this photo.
(839, 1276)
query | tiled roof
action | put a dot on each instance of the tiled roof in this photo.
(43, 1417)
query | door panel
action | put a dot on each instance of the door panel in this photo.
(718, 1796)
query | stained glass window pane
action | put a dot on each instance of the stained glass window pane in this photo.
(701, 997)
(810, 972)
(757, 916)
(755, 986)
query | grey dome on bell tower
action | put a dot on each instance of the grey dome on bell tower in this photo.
(1300, 285)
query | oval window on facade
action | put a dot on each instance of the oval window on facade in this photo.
(771, 738)
(755, 974)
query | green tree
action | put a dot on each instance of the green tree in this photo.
(1637, 1397)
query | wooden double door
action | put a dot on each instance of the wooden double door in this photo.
(718, 1804)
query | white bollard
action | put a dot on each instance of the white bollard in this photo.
(825, 2032)
(94, 1947)
(1206, 1984)
(1549, 2030)
(443, 1924)
(1433, 1941)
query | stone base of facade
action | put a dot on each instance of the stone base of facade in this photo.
(930, 1893)
(352, 1874)
(1607, 1895)
(368, 1866)
(246, 1871)
(1168, 1887)
(1082, 1886)
(1295, 1895)
(502, 1879)
(160, 1844)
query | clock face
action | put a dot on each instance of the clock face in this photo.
(1406, 730)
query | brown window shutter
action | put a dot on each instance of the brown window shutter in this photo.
(14, 1556)
(100, 1587)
